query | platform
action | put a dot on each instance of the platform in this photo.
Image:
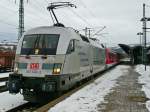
(127, 96)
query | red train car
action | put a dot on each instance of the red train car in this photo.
(111, 57)
(7, 56)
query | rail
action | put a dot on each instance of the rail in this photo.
(46, 107)
(3, 88)
(3, 79)
(20, 107)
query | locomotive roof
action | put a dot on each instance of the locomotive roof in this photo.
(52, 30)
(66, 34)
(69, 33)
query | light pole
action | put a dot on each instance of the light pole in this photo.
(144, 20)
(140, 35)
(141, 44)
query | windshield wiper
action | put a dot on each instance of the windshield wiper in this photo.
(35, 43)
(44, 48)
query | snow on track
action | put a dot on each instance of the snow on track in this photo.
(2, 83)
(9, 101)
(4, 75)
(145, 80)
(87, 99)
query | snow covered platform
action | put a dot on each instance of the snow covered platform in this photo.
(123, 89)
(127, 96)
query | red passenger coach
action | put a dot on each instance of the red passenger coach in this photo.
(111, 57)
(7, 56)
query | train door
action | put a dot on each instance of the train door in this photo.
(72, 59)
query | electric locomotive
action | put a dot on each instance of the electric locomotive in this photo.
(50, 60)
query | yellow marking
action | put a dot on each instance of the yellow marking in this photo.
(36, 51)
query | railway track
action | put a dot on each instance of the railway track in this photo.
(3, 79)
(25, 107)
(3, 88)
(46, 107)
(30, 107)
(5, 70)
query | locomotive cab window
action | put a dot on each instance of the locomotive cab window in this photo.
(29, 41)
(45, 44)
(71, 47)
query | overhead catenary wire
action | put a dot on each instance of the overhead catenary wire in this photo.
(80, 17)
(4, 35)
(46, 1)
(89, 11)
(36, 18)
(99, 31)
(36, 4)
(7, 32)
(9, 24)
(5, 21)
(40, 17)
(4, 6)
(43, 12)
(7, 15)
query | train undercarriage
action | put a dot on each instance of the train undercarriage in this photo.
(37, 89)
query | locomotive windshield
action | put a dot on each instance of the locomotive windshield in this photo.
(29, 41)
(40, 44)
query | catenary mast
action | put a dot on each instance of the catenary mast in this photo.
(21, 19)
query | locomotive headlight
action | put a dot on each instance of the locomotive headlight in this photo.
(57, 68)
(56, 71)
(16, 68)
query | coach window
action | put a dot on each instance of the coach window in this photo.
(71, 47)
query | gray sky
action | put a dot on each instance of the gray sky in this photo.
(121, 17)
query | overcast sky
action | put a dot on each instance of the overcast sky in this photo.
(121, 18)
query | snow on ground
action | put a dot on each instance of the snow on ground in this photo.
(8, 101)
(88, 98)
(4, 75)
(145, 80)
(2, 83)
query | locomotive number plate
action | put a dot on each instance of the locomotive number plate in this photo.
(34, 66)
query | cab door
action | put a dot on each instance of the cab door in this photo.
(71, 65)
